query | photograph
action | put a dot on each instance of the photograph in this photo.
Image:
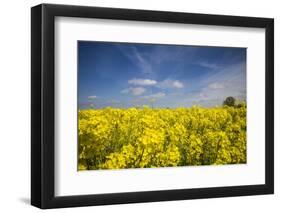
(146, 105)
(136, 105)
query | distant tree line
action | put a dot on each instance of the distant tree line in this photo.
(231, 101)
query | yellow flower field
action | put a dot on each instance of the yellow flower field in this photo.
(113, 138)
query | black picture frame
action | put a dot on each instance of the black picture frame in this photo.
(43, 102)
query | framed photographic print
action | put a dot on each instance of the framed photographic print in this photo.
(139, 106)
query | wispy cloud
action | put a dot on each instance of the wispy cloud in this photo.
(208, 65)
(155, 96)
(92, 97)
(216, 85)
(164, 54)
(136, 91)
(137, 58)
(228, 81)
(142, 62)
(142, 82)
(169, 84)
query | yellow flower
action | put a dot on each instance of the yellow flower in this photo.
(113, 138)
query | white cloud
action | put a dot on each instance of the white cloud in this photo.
(208, 65)
(216, 86)
(92, 97)
(137, 90)
(134, 91)
(169, 84)
(177, 84)
(155, 96)
(125, 91)
(142, 82)
(166, 84)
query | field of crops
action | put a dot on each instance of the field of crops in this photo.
(112, 138)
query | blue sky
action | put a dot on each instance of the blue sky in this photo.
(131, 75)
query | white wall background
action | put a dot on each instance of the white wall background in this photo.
(15, 105)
